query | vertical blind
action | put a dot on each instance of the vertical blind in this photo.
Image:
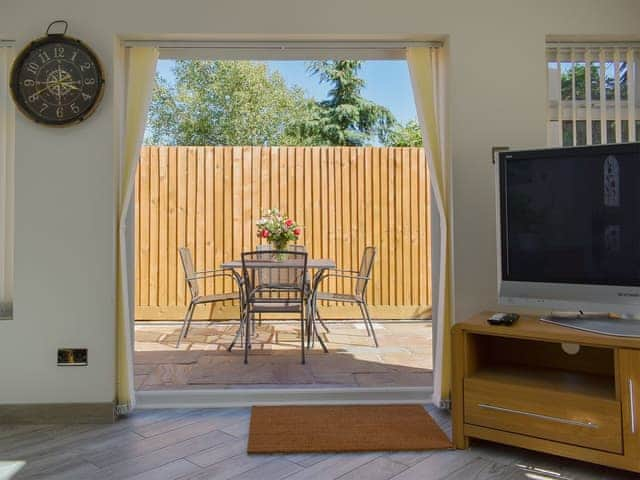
(593, 94)
(6, 184)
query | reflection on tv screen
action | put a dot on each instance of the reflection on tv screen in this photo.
(572, 219)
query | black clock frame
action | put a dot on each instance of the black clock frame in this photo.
(22, 57)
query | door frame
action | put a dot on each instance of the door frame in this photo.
(268, 49)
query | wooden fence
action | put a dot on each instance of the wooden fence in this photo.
(208, 199)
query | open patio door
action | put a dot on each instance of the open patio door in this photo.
(157, 162)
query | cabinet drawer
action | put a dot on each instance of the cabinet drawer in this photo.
(587, 421)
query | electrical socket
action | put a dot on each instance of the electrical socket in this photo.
(72, 357)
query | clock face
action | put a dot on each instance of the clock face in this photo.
(57, 80)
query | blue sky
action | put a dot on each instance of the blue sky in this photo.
(387, 83)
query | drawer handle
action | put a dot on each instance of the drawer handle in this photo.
(632, 406)
(537, 415)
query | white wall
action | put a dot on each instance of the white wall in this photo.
(64, 286)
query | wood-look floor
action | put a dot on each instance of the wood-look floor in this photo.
(211, 444)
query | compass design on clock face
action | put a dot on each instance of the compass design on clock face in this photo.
(57, 80)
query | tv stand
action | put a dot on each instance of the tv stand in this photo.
(515, 385)
(604, 324)
(582, 315)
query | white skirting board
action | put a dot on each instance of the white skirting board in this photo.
(246, 397)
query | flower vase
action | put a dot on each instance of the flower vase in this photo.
(279, 247)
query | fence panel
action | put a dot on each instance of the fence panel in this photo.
(208, 199)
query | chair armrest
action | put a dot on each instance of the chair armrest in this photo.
(338, 274)
(221, 272)
(344, 274)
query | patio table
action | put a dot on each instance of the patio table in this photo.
(318, 264)
(312, 264)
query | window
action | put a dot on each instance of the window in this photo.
(6, 184)
(594, 94)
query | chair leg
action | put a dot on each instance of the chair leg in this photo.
(247, 335)
(364, 318)
(302, 333)
(239, 332)
(317, 335)
(310, 317)
(312, 332)
(193, 308)
(235, 338)
(187, 321)
(312, 313)
(326, 329)
(368, 319)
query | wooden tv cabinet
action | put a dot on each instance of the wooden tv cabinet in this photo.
(517, 386)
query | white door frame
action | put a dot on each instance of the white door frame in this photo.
(260, 50)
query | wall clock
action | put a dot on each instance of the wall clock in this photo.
(57, 80)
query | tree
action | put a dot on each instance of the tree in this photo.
(573, 81)
(225, 103)
(567, 81)
(345, 117)
(407, 135)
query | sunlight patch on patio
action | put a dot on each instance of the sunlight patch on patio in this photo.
(404, 358)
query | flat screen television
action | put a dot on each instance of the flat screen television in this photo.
(569, 228)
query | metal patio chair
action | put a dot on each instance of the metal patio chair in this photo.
(269, 248)
(192, 278)
(273, 285)
(360, 279)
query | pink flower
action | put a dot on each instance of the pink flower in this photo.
(289, 222)
(296, 231)
(265, 233)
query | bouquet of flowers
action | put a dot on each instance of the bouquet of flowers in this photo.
(277, 229)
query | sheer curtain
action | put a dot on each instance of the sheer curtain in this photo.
(140, 74)
(425, 67)
(593, 94)
(7, 114)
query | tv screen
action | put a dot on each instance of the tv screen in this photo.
(571, 215)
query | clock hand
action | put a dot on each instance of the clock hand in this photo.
(49, 82)
(68, 85)
(64, 80)
(41, 90)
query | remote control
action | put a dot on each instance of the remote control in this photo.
(504, 319)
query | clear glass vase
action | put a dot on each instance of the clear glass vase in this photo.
(279, 246)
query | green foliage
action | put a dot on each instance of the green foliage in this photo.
(242, 103)
(407, 135)
(566, 81)
(225, 103)
(345, 117)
